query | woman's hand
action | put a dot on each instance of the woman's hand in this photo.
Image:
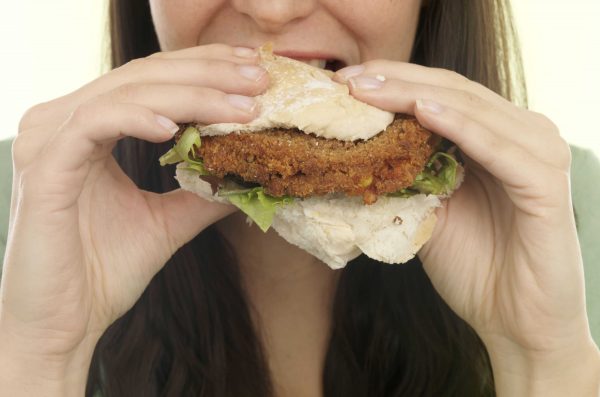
(84, 241)
(504, 254)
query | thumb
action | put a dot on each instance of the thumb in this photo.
(185, 214)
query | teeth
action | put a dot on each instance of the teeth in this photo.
(318, 63)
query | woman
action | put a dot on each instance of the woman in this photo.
(494, 305)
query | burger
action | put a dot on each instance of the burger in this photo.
(330, 174)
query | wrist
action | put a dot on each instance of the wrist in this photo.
(571, 371)
(25, 374)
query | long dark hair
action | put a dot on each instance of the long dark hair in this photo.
(392, 333)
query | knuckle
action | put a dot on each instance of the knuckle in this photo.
(20, 151)
(84, 114)
(136, 63)
(202, 94)
(28, 182)
(218, 48)
(32, 116)
(157, 55)
(81, 114)
(560, 150)
(545, 123)
(214, 65)
(124, 93)
(142, 117)
(555, 183)
(563, 154)
(135, 66)
(454, 78)
(474, 100)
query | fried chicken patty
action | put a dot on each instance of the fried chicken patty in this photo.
(290, 162)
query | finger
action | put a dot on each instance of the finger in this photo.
(400, 97)
(226, 76)
(53, 182)
(212, 51)
(198, 65)
(179, 103)
(136, 110)
(422, 75)
(186, 103)
(531, 184)
(241, 79)
(184, 215)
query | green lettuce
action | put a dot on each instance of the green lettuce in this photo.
(254, 202)
(185, 150)
(438, 177)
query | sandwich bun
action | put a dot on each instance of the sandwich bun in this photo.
(335, 228)
(338, 229)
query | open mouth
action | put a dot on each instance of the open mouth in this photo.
(328, 64)
(334, 65)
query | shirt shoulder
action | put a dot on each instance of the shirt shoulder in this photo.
(5, 191)
(585, 190)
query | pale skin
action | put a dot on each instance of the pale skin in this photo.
(504, 254)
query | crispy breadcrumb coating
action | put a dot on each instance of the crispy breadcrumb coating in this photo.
(290, 162)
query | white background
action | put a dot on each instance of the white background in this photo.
(52, 47)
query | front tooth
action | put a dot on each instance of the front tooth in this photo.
(318, 63)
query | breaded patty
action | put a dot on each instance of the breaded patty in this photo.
(290, 162)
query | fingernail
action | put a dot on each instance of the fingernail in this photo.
(168, 124)
(244, 52)
(350, 71)
(367, 83)
(429, 106)
(241, 102)
(253, 73)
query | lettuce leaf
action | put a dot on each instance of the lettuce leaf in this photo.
(254, 202)
(438, 177)
(185, 150)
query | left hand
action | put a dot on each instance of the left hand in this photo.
(504, 254)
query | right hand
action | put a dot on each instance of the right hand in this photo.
(84, 241)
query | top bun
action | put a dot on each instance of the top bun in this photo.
(304, 97)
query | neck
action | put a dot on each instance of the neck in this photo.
(291, 295)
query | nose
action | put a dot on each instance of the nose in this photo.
(272, 16)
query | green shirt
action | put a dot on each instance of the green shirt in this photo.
(585, 184)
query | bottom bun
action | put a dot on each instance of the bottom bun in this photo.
(337, 229)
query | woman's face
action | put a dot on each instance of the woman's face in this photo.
(351, 31)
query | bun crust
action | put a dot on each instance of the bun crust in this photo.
(338, 229)
(304, 97)
(335, 228)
